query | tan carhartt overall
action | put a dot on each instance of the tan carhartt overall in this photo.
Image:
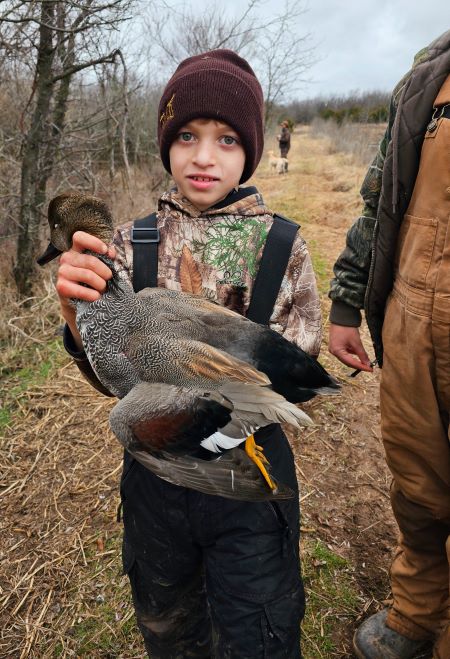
(415, 398)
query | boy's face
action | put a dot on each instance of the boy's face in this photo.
(207, 161)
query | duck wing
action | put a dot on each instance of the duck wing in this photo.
(253, 407)
(233, 475)
(188, 363)
(292, 372)
(262, 406)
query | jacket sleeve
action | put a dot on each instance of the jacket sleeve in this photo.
(351, 270)
(80, 357)
(297, 314)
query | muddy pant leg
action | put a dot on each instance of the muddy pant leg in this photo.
(174, 627)
(164, 566)
(414, 427)
(253, 572)
(420, 570)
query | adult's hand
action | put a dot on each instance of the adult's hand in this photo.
(76, 268)
(345, 344)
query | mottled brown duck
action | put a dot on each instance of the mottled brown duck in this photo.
(190, 374)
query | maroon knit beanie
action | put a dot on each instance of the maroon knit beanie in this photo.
(215, 85)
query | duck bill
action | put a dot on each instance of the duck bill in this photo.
(50, 253)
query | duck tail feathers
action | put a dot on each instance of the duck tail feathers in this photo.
(253, 403)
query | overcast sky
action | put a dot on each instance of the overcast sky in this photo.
(362, 44)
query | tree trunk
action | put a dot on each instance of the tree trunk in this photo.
(33, 184)
(56, 64)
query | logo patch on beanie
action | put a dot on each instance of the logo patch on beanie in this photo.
(168, 112)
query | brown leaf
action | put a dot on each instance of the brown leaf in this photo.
(190, 277)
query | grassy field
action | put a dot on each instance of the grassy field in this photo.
(62, 593)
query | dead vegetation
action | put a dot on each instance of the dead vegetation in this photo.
(62, 593)
(358, 140)
(60, 494)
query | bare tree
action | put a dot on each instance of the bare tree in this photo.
(55, 40)
(210, 29)
(278, 53)
(283, 58)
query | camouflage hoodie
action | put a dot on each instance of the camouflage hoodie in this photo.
(226, 243)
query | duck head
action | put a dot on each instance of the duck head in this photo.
(73, 211)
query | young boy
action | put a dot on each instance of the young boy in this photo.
(210, 577)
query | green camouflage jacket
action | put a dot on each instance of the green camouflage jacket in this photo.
(386, 191)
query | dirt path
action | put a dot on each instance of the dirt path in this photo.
(341, 466)
(61, 589)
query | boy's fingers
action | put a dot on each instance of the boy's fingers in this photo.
(82, 240)
(76, 259)
(69, 289)
(76, 268)
(75, 275)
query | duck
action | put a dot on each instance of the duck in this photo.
(192, 378)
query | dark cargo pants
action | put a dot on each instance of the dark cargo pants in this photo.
(212, 577)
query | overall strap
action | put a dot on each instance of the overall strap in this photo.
(272, 267)
(145, 239)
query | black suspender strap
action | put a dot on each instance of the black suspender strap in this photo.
(145, 239)
(272, 267)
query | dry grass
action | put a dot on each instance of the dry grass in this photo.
(60, 470)
(61, 589)
(359, 140)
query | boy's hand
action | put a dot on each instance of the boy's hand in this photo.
(344, 343)
(75, 268)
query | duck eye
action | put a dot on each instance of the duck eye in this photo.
(55, 226)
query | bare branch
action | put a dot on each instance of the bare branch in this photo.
(55, 40)
(76, 68)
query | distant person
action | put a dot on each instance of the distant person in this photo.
(284, 139)
(397, 266)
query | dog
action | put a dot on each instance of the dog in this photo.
(278, 165)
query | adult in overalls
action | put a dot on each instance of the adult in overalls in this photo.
(396, 265)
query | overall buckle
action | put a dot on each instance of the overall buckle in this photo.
(145, 235)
